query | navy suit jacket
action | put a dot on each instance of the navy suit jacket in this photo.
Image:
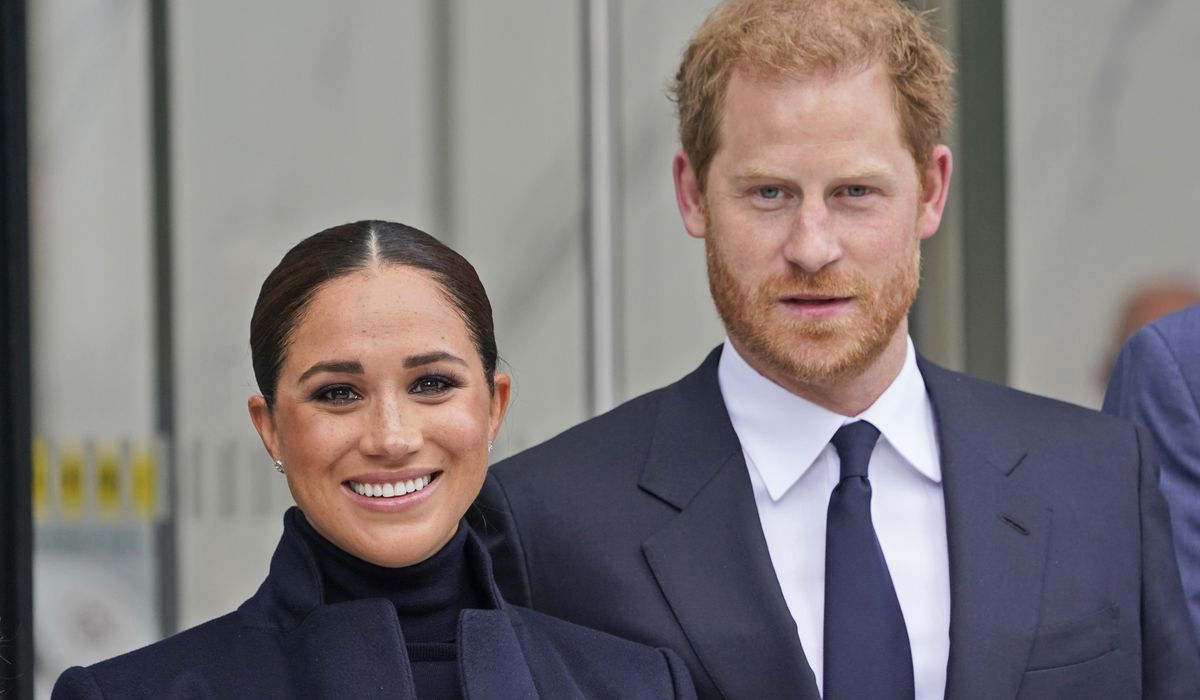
(285, 643)
(642, 522)
(1156, 383)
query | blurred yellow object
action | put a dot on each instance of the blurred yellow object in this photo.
(41, 478)
(108, 482)
(145, 483)
(71, 489)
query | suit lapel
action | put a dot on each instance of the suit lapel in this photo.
(998, 529)
(711, 561)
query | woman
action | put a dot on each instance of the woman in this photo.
(373, 350)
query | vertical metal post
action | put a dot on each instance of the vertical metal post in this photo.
(442, 115)
(601, 205)
(984, 198)
(937, 318)
(164, 306)
(16, 521)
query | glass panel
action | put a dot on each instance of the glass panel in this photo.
(96, 451)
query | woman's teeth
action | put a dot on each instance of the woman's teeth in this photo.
(398, 488)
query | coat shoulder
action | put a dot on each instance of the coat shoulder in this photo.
(1179, 328)
(982, 405)
(617, 436)
(191, 659)
(622, 437)
(592, 655)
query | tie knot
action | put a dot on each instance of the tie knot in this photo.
(854, 443)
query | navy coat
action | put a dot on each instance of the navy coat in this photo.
(1062, 579)
(1156, 383)
(284, 643)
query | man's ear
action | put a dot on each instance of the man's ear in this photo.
(934, 190)
(264, 423)
(688, 196)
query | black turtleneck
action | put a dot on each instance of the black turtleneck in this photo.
(428, 598)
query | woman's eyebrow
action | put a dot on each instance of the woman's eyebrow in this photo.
(432, 357)
(335, 366)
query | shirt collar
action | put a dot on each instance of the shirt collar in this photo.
(782, 434)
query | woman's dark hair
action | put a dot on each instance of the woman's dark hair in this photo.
(341, 250)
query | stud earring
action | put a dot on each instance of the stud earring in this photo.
(279, 467)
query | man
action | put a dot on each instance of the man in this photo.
(817, 511)
(1149, 302)
(1156, 383)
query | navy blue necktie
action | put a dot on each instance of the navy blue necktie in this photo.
(867, 656)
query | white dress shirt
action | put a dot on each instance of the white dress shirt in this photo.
(794, 468)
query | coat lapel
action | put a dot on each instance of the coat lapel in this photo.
(353, 650)
(998, 529)
(356, 649)
(492, 663)
(711, 561)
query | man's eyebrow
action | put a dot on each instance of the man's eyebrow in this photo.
(863, 173)
(334, 366)
(866, 173)
(432, 357)
(754, 173)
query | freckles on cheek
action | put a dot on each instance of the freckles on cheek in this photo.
(464, 429)
(326, 439)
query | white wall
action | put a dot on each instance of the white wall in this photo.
(1103, 184)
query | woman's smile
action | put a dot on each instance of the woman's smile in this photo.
(392, 493)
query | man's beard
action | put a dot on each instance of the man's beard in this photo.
(821, 352)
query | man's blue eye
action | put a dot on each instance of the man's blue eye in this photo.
(857, 191)
(769, 192)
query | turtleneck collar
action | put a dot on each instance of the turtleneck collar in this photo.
(428, 596)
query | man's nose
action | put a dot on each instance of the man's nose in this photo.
(812, 239)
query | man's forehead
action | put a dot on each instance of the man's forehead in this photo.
(793, 104)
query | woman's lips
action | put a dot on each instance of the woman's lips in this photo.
(390, 489)
(384, 492)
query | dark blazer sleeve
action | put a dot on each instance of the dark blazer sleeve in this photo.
(492, 519)
(76, 683)
(1170, 654)
(1150, 387)
(684, 690)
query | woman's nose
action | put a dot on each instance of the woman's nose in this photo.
(391, 434)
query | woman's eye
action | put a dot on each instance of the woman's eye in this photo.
(340, 394)
(769, 192)
(858, 191)
(432, 385)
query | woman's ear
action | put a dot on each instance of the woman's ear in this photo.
(502, 389)
(264, 423)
